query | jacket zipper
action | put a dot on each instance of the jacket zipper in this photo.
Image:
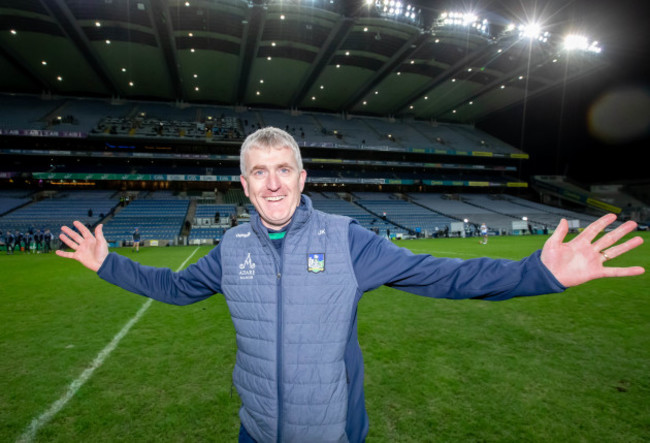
(280, 352)
(280, 328)
(280, 331)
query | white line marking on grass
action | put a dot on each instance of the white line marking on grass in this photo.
(29, 434)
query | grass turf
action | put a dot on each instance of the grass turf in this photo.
(572, 366)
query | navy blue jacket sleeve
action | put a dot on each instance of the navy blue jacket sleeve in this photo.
(377, 261)
(195, 283)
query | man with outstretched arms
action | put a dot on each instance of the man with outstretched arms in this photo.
(293, 277)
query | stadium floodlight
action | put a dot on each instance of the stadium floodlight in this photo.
(464, 20)
(573, 42)
(396, 9)
(533, 31)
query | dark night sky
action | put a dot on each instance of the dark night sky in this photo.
(556, 131)
(557, 134)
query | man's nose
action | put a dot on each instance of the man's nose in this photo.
(273, 181)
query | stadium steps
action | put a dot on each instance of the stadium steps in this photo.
(422, 133)
(500, 213)
(15, 208)
(189, 216)
(452, 216)
(318, 123)
(380, 217)
(116, 209)
(412, 201)
(51, 116)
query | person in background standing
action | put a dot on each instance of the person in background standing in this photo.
(136, 240)
(484, 233)
(20, 240)
(10, 239)
(38, 240)
(47, 241)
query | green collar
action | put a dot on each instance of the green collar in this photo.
(277, 235)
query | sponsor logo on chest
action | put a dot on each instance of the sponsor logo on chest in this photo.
(247, 268)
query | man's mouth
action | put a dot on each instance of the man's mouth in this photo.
(275, 198)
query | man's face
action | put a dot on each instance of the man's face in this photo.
(273, 184)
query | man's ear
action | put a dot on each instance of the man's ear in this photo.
(244, 184)
(303, 178)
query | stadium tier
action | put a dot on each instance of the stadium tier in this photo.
(89, 207)
(155, 219)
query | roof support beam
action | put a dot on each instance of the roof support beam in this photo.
(59, 10)
(250, 43)
(397, 59)
(20, 65)
(329, 48)
(450, 72)
(165, 36)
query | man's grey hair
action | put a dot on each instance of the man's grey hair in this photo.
(268, 138)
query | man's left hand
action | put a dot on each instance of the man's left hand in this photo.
(582, 259)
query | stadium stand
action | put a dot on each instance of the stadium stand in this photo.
(545, 215)
(533, 213)
(10, 200)
(417, 219)
(498, 211)
(206, 225)
(481, 141)
(456, 206)
(156, 219)
(409, 217)
(358, 160)
(302, 126)
(404, 133)
(339, 130)
(60, 209)
(146, 119)
(82, 115)
(25, 112)
(366, 219)
(235, 197)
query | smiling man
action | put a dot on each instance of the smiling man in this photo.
(273, 177)
(293, 278)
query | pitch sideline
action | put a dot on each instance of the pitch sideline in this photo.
(38, 422)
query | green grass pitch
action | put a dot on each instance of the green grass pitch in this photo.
(565, 367)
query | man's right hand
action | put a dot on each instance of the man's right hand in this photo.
(89, 250)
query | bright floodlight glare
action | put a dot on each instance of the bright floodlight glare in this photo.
(574, 42)
(395, 9)
(531, 30)
(462, 19)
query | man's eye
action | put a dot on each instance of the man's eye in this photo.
(258, 173)
(285, 171)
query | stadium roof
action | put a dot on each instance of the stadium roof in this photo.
(333, 56)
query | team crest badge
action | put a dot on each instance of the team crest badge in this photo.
(316, 262)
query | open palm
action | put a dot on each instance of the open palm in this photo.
(582, 259)
(90, 250)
